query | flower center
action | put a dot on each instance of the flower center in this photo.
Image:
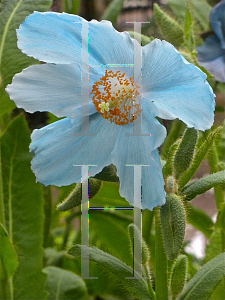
(114, 97)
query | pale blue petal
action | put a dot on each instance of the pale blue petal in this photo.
(210, 49)
(178, 88)
(150, 125)
(57, 148)
(216, 67)
(53, 88)
(56, 38)
(211, 54)
(217, 21)
(133, 150)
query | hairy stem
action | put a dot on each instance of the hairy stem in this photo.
(161, 282)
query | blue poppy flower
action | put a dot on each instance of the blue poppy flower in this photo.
(170, 88)
(211, 54)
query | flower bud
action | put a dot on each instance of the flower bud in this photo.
(185, 152)
(74, 198)
(178, 275)
(172, 217)
(171, 185)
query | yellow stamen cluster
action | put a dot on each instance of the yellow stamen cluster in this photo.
(114, 98)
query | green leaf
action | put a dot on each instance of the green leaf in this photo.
(198, 157)
(187, 56)
(178, 8)
(11, 58)
(214, 246)
(172, 217)
(71, 6)
(107, 227)
(213, 162)
(202, 185)
(64, 191)
(53, 257)
(200, 11)
(24, 217)
(8, 258)
(144, 39)
(112, 11)
(206, 280)
(189, 40)
(66, 285)
(116, 268)
(108, 196)
(220, 222)
(220, 146)
(178, 275)
(174, 132)
(147, 224)
(219, 292)
(48, 213)
(138, 244)
(170, 29)
(197, 218)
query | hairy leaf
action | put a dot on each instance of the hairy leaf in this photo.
(206, 280)
(116, 268)
(170, 29)
(202, 185)
(8, 258)
(144, 39)
(63, 284)
(197, 218)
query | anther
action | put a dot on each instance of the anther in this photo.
(114, 101)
